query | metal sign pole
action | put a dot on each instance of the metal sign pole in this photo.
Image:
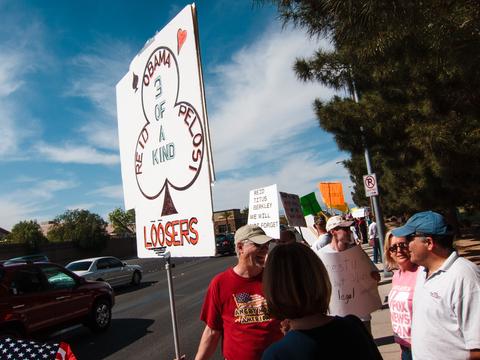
(168, 267)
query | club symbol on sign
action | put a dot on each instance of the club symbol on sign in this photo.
(170, 146)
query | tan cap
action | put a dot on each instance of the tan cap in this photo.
(337, 221)
(252, 233)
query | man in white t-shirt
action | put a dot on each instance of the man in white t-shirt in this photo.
(339, 229)
(446, 301)
(374, 241)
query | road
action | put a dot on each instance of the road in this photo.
(141, 322)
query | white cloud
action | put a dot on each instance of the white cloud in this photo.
(20, 57)
(97, 73)
(31, 202)
(81, 206)
(256, 100)
(71, 153)
(111, 191)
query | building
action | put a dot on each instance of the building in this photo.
(228, 221)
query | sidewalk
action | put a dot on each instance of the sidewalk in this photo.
(381, 326)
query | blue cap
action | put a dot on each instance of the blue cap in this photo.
(426, 222)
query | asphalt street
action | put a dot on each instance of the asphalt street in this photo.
(141, 325)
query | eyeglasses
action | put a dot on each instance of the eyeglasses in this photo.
(401, 246)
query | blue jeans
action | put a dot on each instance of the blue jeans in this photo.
(376, 251)
(406, 353)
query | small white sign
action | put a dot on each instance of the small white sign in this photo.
(354, 291)
(370, 184)
(263, 210)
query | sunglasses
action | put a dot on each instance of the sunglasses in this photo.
(401, 246)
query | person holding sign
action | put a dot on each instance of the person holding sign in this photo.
(349, 271)
(446, 311)
(297, 288)
(235, 308)
(323, 236)
(400, 298)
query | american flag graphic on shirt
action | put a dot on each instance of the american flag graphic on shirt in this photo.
(244, 300)
(17, 349)
(250, 308)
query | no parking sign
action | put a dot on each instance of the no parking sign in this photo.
(370, 184)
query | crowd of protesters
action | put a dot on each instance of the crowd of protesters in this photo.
(274, 303)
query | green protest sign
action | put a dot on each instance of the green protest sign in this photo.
(310, 205)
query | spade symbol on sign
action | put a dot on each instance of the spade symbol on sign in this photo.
(135, 82)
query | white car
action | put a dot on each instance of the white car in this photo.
(107, 268)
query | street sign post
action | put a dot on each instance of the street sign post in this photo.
(370, 184)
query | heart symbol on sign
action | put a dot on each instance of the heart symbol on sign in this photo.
(181, 37)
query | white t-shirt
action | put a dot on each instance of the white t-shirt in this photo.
(323, 240)
(372, 230)
(446, 311)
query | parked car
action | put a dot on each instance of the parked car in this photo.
(32, 258)
(225, 244)
(109, 269)
(35, 297)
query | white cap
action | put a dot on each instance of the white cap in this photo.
(337, 221)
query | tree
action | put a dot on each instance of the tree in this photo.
(28, 233)
(123, 221)
(415, 68)
(85, 229)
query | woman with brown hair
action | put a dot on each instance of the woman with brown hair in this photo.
(297, 288)
(397, 256)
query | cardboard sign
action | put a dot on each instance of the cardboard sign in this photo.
(165, 146)
(309, 233)
(310, 205)
(263, 210)
(332, 195)
(293, 209)
(354, 291)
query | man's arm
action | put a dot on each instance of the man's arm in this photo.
(208, 343)
(475, 354)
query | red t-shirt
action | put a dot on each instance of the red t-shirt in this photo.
(236, 306)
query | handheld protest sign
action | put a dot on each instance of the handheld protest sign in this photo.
(263, 210)
(354, 291)
(293, 209)
(164, 144)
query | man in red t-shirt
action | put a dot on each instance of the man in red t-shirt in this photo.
(234, 308)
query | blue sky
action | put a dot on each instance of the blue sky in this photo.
(60, 62)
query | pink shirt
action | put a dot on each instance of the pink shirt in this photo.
(400, 301)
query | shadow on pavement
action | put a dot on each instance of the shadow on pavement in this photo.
(88, 345)
(386, 340)
(129, 288)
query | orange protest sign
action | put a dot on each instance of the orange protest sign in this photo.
(332, 195)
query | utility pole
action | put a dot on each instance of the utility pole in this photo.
(377, 210)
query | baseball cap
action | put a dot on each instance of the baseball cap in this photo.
(253, 233)
(337, 221)
(426, 222)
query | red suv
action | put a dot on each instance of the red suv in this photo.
(37, 296)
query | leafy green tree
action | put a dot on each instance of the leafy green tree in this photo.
(28, 233)
(415, 68)
(85, 229)
(123, 221)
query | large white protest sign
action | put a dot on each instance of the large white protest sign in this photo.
(263, 210)
(293, 209)
(354, 291)
(164, 144)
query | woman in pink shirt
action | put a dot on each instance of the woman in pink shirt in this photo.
(400, 297)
